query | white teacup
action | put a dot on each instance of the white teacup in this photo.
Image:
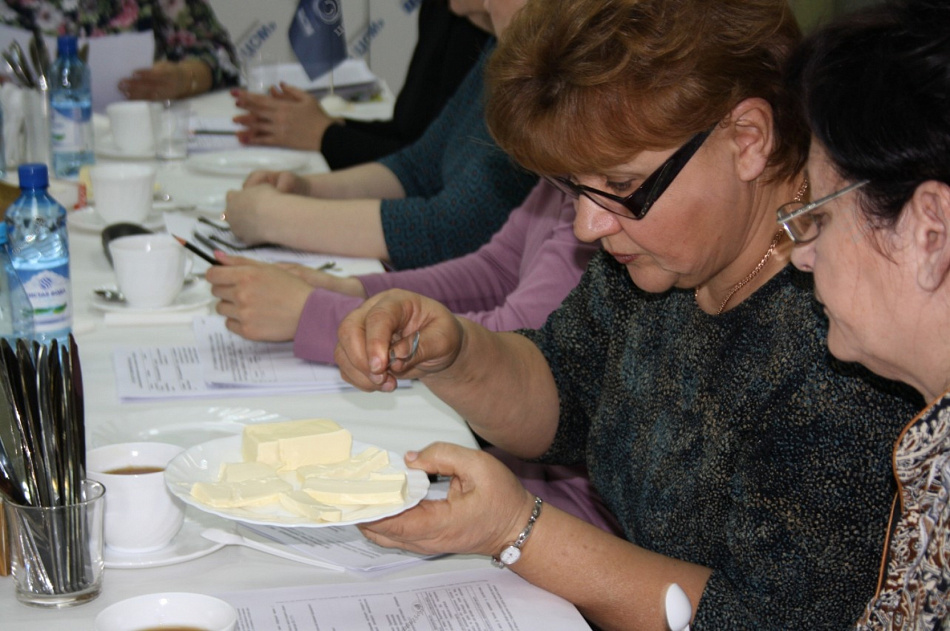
(141, 513)
(132, 127)
(123, 192)
(150, 269)
(175, 610)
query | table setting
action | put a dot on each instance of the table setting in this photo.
(235, 563)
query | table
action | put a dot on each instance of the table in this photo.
(409, 418)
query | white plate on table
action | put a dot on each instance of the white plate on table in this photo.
(88, 220)
(241, 162)
(202, 463)
(188, 544)
(183, 426)
(191, 297)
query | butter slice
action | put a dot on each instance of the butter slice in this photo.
(358, 467)
(260, 492)
(356, 492)
(293, 444)
(300, 503)
(241, 471)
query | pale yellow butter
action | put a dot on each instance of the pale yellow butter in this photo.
(241, 471)
(259, 492)
(299, 503)
(357, 467)
(293, 444)
(356, 492)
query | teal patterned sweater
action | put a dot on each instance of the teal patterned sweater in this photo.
(460, 186)
(735, 442)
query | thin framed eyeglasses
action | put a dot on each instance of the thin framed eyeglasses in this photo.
(639, 202)
(796, 217)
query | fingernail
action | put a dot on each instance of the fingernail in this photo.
(376, 366)
(411, 455)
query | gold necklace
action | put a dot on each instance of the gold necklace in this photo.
(765, 259)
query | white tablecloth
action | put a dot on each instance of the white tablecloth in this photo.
(409, 418)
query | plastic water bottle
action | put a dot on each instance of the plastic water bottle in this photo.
(16, 313)
(70, 96)
(39, 252)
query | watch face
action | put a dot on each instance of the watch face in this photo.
(510, 555)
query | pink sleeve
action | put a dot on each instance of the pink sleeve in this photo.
(315, 338)
(514, 281)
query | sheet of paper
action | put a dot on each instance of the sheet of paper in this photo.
(151, 373)
(474, 600)
(230, 360)
(342, 546)
(112, 57)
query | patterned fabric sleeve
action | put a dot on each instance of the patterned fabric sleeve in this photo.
(189, 29)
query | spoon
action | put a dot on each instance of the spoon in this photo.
(679, 610)
(232, 538)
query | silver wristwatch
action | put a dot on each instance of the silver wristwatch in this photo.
(512, 552)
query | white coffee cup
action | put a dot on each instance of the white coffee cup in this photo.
(149, 269)
(141, 513)
(132, 127)
(122, 192)
(168, 610)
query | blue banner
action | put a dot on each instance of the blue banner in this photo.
(317, 37)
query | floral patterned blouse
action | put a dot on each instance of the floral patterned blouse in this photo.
(915, 590)
(183, 28)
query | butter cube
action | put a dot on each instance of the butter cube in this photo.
(299, 503)
(357, 467)
(293, 444)
(356, 492)
(241, 471)
(259, 492)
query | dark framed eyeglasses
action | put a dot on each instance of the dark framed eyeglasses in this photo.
(638, 203)
(796, 217)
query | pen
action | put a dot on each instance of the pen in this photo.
(198, 251)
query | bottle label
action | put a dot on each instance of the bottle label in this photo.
(67, 126)
(49, 294)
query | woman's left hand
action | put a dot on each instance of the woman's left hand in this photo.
(485, 509)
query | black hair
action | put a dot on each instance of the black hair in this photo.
(875, 88)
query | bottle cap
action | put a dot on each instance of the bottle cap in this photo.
(66, 45)
(33, 176)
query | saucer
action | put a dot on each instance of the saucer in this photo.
(191, 297)
(188, 544)
(87, 220)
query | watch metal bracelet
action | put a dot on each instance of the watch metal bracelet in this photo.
(512, 552)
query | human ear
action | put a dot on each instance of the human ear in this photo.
(929, 209)
(750, 125)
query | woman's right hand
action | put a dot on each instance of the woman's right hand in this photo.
(390, 320)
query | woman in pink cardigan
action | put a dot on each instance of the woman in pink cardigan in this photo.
(514, 281)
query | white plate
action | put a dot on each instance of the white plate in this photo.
(240, 163)
(182, 426)
(188, 544)
(195, 295)
(106, 148)
(88, 220)
(202, 463)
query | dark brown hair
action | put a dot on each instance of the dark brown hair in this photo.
(579, 86)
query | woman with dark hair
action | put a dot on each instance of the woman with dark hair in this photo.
(876, 88)
(688, 369)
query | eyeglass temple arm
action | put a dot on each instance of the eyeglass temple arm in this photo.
(782, 218)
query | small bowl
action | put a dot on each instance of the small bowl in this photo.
(166, 610)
